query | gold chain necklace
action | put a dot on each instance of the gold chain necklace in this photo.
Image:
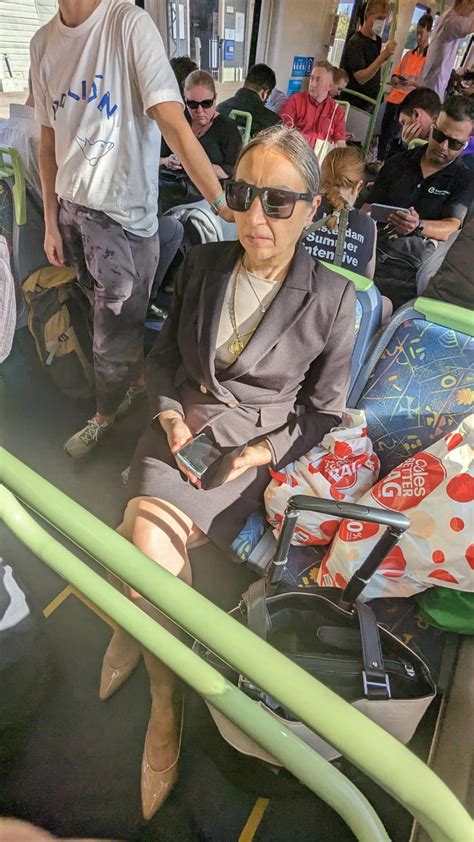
(236, 345)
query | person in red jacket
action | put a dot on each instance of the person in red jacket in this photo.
(314, 112)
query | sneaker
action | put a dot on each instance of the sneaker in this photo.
(86, 439)
(133, 392)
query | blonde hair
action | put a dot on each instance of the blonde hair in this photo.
(341, 168)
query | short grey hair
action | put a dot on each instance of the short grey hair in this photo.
(291, 144)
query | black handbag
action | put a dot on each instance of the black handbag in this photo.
(333, 635)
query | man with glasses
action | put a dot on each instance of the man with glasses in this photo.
(436, 189)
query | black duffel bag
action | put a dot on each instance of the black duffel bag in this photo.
(334, 636)
(398, 260)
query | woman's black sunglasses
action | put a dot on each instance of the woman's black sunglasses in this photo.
(193, 104)
(276, 203)
(440, 137)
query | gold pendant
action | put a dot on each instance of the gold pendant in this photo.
(235, 347)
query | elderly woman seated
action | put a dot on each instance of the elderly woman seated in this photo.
(217, 134)
(256, 327)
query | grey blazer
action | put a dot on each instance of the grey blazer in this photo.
(300, 353)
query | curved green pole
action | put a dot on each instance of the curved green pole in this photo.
(373, 750)
(16, 171)
(309, 767)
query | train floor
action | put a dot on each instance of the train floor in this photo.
(78, 773)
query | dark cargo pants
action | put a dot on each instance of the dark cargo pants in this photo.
(116, 270)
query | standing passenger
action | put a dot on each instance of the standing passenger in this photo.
(364, 57)
(104, 91)
(406, 72)
(455, 24)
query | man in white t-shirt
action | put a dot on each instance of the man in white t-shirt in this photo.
(104, 92)
(454, 24)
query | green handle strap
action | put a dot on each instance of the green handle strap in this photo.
(16, 171)
(366, 745)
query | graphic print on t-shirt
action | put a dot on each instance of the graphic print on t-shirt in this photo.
(322, 245)
(93, 150)
(89, 93)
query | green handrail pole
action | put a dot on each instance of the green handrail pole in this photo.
(388, 762)
(16, 171)
(316, 773)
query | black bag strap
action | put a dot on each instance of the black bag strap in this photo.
(376, 680)
(341, 233)
(341, 236)
(258, 618)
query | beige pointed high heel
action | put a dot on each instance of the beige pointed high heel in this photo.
(112, 678)
(156, 784)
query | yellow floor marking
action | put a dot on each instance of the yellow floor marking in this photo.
(90, 605)
(57, 601)
(71, 591)
(253, 821)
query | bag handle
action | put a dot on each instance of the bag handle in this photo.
(396, 522)
(374, 676)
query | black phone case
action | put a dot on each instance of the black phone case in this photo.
(217, 472)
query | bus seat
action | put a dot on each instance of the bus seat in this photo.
(368, 315)
(245, 129)
(416, 385)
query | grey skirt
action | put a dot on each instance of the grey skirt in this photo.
(220, 512)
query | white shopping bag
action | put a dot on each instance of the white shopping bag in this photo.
(342, 467)
(435, 489)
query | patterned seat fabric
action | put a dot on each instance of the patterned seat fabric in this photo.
(420, 389)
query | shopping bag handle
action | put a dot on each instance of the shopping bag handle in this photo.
(396, 522)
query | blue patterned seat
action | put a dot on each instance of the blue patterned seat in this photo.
(416, 386)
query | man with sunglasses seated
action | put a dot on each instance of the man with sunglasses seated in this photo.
(435, 189)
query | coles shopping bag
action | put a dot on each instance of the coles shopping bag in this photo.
(342, 467)
(435, 489)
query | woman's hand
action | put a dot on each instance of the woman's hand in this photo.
(178, 434)
(219, 171)
(176, 429)
(253, 456)
(172, 162)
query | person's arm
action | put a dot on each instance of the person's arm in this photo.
(161, 101)
(53, 244)
(405, 224)
(458, 26)
(324, 390)
(365, 74)
(338, 132)
(288, 112)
